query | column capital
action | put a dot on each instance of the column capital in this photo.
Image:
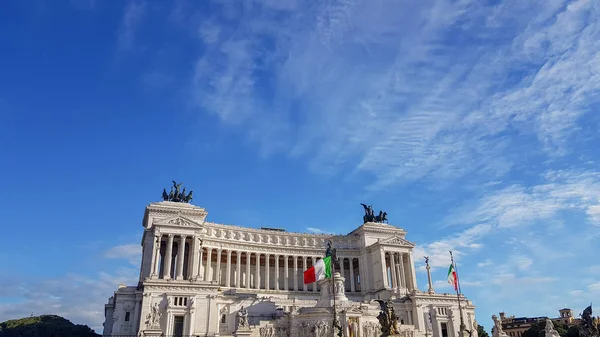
(229, 252)
(183, 236)
(171, 235)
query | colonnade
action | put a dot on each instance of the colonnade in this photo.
(399, 271)
(180, 257)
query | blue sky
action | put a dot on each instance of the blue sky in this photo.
(473, 124)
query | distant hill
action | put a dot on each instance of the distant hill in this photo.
(44, 326)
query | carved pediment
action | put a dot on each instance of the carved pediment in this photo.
(179, 221)
(397, 241)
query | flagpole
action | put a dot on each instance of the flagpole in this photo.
(333, 258)
(457, 288)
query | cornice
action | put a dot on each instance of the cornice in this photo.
(271, 232)
(441, 298)
(375, 227)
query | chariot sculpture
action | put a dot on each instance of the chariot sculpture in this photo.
(371, 217)
(176, 194)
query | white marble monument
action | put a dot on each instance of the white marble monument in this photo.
(200, 278)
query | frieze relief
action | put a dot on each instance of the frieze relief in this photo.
(309, 252)
(427, 300)
(192, 213)
(274, 331)
(159, 288)
(251, 235)
(371, 329)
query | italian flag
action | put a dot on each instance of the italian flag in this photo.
(321, 270)
(452, 277)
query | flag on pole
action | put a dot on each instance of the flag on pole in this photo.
(452, 277)
(321, 270)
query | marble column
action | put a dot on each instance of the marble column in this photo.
(228, 275)
(384, 269)
(180, 257)
(352, 287)
(397, 271)
(156, 255)
(208, 270)
(305, 267)
(168, 258)
(365, 273)
(267, 280)
(429, 282)
(393, 271)
(286, 271)
(238, 267)
(195, 255)
(402, 271)
(200, 274)
(248, 270)
(342, 271)
(295, 273)
(219, 266)
(257, 272)
(413, 272)
(276, 272)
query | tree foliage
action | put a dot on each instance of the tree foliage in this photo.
(538, 330)
(481, 331)
(45, 325)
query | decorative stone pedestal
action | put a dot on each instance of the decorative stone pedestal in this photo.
(319, 320)
(242, 333)
(151, 333)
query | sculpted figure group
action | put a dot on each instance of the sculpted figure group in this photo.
(177, 195)
(588, 327)
(371, 217)
(153, 317)
(388, 319)
(497, 329)
(243, 318)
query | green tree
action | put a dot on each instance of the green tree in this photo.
(561, 328)
(573, 332)
(45, 325)
(536, 330)
(482, 333)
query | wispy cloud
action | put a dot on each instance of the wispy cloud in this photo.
(460, 244)
(519, 205)
(133, 16)
(130, 252)
(402, 91)
(76, 297)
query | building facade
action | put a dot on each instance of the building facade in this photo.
(516, 326)
(196, 275)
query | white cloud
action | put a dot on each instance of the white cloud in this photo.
(134, 13)
(459, 244)
(576, 293)
(78, 298)
(594, 288)
(403, 91)
(485, 263)
(130, 252)
(518, 205)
